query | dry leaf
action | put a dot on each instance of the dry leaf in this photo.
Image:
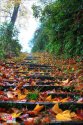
(38, 108)
(56, 109)
(9, 94)
(26, 91)
(64, 116)
(15, 115)
(49, 98)
(17, 91)
(65, 81)
(64, 100)
(21, 97)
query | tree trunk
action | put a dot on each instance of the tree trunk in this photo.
(11, 25)
(14, 15)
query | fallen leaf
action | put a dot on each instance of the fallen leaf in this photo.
(21, 97)
(56, 109)
(64, 100)
(64, 116)
(9, 94)
(38, 108)
(15, 115)
(65, 81)
(49, 98)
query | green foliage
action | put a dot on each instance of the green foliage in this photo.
(32, 96)
(1, 52)
(36, 11)
(61, 29)
(40, 42)
(8, 40)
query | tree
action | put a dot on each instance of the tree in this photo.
(8, 44)
(9, 34)
(15, 12)
(62, 26)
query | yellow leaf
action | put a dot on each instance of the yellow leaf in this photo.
(55, 101)
(38, 108)
(66, 112)
(73, 115)
(56, 109)
(15, 115)
(49, 98)
(20, 97)
(64, 100)
(64, 116)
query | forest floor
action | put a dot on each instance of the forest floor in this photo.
(40, 89)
